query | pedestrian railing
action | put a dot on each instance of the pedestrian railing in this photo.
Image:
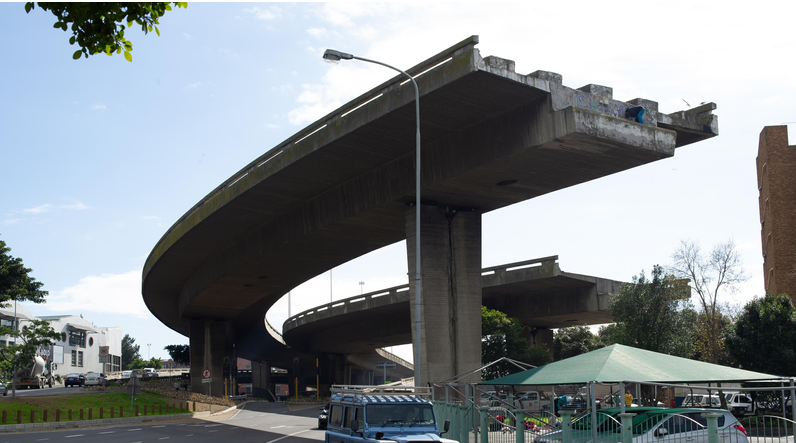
(765, 429)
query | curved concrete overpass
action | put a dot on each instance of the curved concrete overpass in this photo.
(341, 188)
(536, 292)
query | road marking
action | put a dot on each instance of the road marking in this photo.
(214, 430)
(189, 435)
(42, 439)
(108, 432)
(236, 414)
(163, 438)
(136, 429)
(286, 436)
(76, 435)
(160, 426)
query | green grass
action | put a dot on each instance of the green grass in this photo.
(85, 402)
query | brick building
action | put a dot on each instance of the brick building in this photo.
(776, 181)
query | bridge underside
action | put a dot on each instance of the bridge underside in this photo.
(340, 188)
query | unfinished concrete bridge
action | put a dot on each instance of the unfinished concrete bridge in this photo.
(342, 187)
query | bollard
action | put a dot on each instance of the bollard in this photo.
(180, 407)
(136, 410)
(81, 413)
(121, 411)
(4, 417)
(194, 406)
(90, 413)
(483, 412)
(627, 427)
(160, 409)
(19, 417)
(102, 413)
(145, 409)
(520, 428)
(713, 426)
(112, 411)
(69, 414)
(32, 416)
(57, 415)
(44, 416)
(566, 425)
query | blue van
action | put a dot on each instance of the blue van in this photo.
(356, 416)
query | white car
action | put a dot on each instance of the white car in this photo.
(151, 373)
(3, 387)
(96, 379)
(126, 374)
(685, 425)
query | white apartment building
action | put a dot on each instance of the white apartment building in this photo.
(82, 347)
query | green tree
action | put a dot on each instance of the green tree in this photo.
(130, 352)
(652, 315)
(575, 340)
(15, 280)
(763, 338)
(25, 344)
(501, 336)
(181, 354)
(710, 275)
(98, 27)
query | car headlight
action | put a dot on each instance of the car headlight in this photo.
(321, 416)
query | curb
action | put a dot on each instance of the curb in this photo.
(28, 427)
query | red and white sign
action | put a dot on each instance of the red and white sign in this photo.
(206, 373)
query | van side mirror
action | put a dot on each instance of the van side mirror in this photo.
(446, 426)
(354, 425)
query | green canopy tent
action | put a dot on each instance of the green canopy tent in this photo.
(620, 364)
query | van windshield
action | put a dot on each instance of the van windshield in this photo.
(385, 414)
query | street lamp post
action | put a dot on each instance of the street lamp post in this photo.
(333, 56)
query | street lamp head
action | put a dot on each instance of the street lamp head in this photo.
(333, 56)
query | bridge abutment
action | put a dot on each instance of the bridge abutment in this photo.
(261, 379)
(450, 333)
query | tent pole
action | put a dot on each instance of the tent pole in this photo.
(593, 401)
(622, 397)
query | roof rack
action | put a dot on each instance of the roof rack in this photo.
(420, 391)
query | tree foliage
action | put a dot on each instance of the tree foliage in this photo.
(181, 354)
(98, 27)
(139, 363)
(15, 280)
(501, 336)
(575, 340)
(130, 351)
(718, 272)
(652, 315)
(763, 338)
(24, 344)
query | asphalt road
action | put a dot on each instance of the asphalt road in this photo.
(256, 422)
(55, 390)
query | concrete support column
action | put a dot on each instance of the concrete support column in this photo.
(450, 336)
(539, 337)
(207, 352)
(261, 379)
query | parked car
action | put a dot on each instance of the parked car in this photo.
(3, 387)
(96, 379)
(151, 373)
(701, 401)
(323, 417)
(126, 374)
(607, 424)
(74, 379)
(685, 424)
(739, 404)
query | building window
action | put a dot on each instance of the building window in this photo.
(74, 357)
(91, 341)
(7, 323)
(80, 358)
(77, 338)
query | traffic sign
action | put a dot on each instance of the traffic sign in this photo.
(206, 373)
(207, 380)
(385, 365)
(104, 350)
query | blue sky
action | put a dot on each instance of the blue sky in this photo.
(100, 156)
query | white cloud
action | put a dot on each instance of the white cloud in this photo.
(41, 209)
(282, 88)
(310, 49)
(153, 218)
(318, 32)
(187, 36)
(271, 126)
(105, 293)
(194, 85)
(99, 107)
(267, 14)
